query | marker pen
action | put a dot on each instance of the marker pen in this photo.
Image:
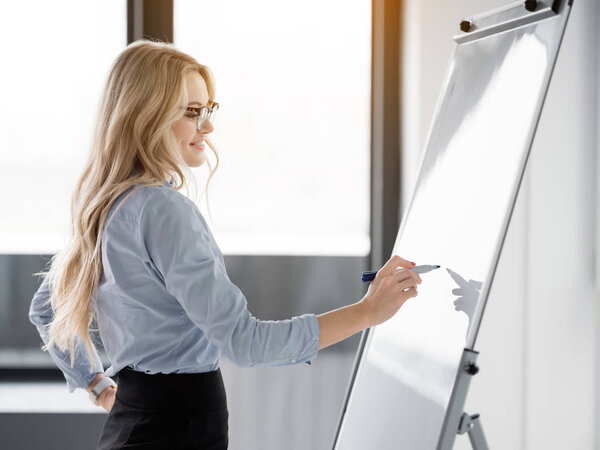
(370, 275)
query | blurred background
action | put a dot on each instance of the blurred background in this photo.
(325, 110)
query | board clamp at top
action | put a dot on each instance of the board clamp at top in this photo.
(504, 19)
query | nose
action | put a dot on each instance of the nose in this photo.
(207, 126)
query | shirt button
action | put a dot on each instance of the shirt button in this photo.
(293, 361)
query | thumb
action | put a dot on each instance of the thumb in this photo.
(393, 263)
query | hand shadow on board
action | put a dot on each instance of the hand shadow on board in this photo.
(467, 292)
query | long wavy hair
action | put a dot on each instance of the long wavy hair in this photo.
(133, 145)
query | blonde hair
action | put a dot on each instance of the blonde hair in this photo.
(133, 145)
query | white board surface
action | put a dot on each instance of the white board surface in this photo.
(458, 216)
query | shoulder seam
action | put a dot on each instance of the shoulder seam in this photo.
(139, 225)
(143, 209)
(121, 204)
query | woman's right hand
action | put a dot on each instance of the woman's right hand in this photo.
(392, 286)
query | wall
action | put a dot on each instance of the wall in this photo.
(538, 340)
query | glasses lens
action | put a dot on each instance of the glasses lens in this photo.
(202, 116)
(212, 114)
(207, 112)
(214, 107)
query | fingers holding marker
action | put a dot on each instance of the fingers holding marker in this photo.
(408, 283)
(412, 292)
(391, 287)
(393, 263)
(402, 273)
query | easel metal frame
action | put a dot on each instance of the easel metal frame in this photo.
(456, 421)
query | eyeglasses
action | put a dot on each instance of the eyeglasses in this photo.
(203, 113)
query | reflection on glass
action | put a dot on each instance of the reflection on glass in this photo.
(465, 190)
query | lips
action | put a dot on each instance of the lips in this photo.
(198, 145)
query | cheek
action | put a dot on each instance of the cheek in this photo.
(183, 131)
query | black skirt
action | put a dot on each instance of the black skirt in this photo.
(167, 411)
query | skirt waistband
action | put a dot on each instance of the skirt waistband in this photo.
(198, 391)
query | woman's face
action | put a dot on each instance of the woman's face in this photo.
(189, 138)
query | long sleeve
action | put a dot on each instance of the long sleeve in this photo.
(182, 249)
(78, 376)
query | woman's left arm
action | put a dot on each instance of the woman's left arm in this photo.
(78, 376)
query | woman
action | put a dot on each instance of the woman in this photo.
(143, 263)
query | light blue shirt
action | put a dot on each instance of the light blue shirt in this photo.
(165, 303)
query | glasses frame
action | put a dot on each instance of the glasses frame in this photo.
(204, 112)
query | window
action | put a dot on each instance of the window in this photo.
(54, 70)
(293, 131)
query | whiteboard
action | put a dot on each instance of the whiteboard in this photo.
(458, 216)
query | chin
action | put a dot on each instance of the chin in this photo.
(194, 160)
(195, 163)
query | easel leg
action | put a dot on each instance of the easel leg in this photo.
(472, 425)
